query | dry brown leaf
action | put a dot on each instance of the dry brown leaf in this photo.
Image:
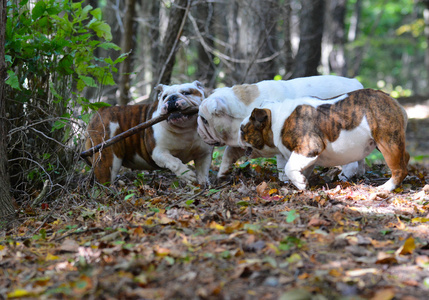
(69, 245)
(408, 247)
(384, 294)
(314, 222)
(386, 258)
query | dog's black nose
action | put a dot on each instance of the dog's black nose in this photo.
(172, 103)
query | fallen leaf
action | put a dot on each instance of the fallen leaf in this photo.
(317, 222)
(214, 225)
(296, 294)
(386, 258)
(49, 257)
(419, 220)
(361, 272)
(261, 189)
(408, 247)
(18, 293)
(384, 294)
(69, 245)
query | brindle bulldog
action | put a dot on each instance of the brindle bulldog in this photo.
(169, 144)
(310, 131)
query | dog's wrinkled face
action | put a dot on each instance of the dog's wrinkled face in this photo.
(176, 98)
(255, 131)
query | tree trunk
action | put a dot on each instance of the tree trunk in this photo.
(252, 39)
(127, 43)
(333, 56)
(205, 66)
(311, 31)
(170, 43)
(426, 31)
(6, 207)
(288, 39)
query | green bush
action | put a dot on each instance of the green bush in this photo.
(51, 51)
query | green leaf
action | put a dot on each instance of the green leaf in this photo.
(38, 9)
(8, 58)
(13, 80)
(243, 203)
(97, 105)
(86, 118)
(101, 29)
(212, 191)
(243, 165)
(96, 13)
(129, 196)
(108, 79)
(58, 125)
(107, 46)
(89, 81)
(290, 215)
(189, 202)
(65, 65)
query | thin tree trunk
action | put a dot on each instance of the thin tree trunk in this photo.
(6, 207)
(127, 42)
(205, 66)
(167, 57)
(288, 39)
(311, 31)
(333, 56)
(426, 31)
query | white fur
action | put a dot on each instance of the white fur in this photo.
(116, 165)
(113, 126)
(224, 112)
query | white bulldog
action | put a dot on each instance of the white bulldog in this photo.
(222, 112)
(169, 144)
(311, 131)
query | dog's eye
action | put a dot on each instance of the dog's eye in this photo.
(163, 97)
(204, 120)
(186, 93)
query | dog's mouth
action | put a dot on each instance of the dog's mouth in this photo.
(248, 151)
(178, 117)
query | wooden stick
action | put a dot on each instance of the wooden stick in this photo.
(133, 130)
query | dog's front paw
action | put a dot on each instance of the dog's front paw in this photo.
(187, 175)
(300, 185)
(388, 186)
(283, 177)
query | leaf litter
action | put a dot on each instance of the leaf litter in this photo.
(252, 237)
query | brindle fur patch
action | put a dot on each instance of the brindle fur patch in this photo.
(126, 117)
(196, 93)
(246, 93)
(257, 131)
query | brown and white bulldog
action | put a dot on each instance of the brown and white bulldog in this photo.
(169, 144)
(222, 112)
(311, 131)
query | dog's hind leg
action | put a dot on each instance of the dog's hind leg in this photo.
(396, 158)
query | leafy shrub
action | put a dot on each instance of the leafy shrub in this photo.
(51, 51)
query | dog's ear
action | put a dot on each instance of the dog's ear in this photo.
(259, 117)
(198, 84)
(160, 87)
(218, 106)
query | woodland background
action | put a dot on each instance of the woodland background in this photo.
(62, 60)
(65, 236)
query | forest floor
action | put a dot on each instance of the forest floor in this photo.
(250, 238)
